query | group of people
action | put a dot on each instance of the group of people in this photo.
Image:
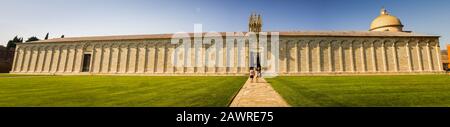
(255, 73)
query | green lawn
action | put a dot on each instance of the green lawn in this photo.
(16, 75)
(400, 90)
(117, 90)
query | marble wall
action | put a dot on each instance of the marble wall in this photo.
(297, 56)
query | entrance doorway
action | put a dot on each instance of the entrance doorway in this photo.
(86, 63)
(255, 61)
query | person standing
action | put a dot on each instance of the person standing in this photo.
(259, 73)
(252, 74)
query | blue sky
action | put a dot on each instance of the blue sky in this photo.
(116, 17)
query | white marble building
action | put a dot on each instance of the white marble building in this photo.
(384, 49)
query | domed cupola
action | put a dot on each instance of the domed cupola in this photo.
(386, 22)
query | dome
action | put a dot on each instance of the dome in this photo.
(386, 22)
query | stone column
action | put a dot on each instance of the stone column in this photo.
(138, 59)
(18, 59)
(110, 57)
(106, 58)
(419, 56)
(13, 69)
(384, 56)
(25, 59)
(430, 67)
(40, 61)
(80, 58)
(363, 57)
(127, 58)
(235, 57)
(308, 56)
(294, 55)
(66, 59)
(34, 59)
(69, 59)
(330, 59)
(247, 54)
(119, 57)
(341, 57)
(36, 63)
(44, 60)
(30, 58)
(223, 68)
(274, 50)
(286, 55)
(203, 55)
(438, 56)
(191, 67)
(146, 60)
(52, 57)
(319, 57)
(394, 53)
(91, 68)
(58, 62)
(168, 56)
(160, 53)
(21, 58)
(55, 59)
(352, 61)
(132, 55)
(409, 56)
(62, 58)
(299, 56)
(152, 57)
(102, 51)
(283, 56)
(154, 54)
(374, 62)
(22, 62)
(75, 58)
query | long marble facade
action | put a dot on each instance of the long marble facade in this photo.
(298, 55)
(384, 49)
(356, 56)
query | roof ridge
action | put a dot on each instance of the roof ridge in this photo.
(281, 33)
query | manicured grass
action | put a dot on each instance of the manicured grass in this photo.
(400, 90)
(16, 75)
(118, 91)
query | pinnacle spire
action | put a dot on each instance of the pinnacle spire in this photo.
(255, 22)
(259, 19)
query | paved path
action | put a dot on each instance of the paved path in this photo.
(259, 94)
